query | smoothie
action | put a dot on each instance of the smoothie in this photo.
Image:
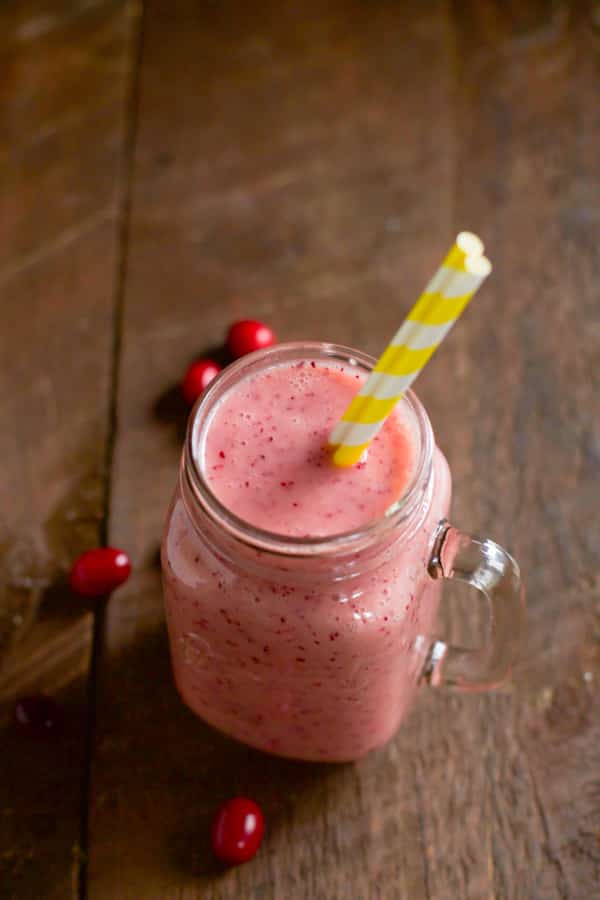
(265, 454)
(316, 657)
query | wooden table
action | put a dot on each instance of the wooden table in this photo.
(167, 169)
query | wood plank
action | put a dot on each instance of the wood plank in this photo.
(301, 185)
(63, 100)
(526, 469)
(298, 160)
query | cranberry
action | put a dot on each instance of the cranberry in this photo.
(237, 830)
(248, 335)
(100, 571)
(38, 716)
(198, 376)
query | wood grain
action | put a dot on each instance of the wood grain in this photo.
(525, 470)
(304, 200)
(309, 167)
(63, 98)
(307, 164)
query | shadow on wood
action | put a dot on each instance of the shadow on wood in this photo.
(158, 759)
(170, 408)
(40, 794)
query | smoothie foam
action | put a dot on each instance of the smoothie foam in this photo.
(265, 455)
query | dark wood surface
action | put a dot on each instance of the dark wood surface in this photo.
(65, 74)
(167, 169)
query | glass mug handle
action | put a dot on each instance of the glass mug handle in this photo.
(486, 566)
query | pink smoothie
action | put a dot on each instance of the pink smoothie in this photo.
(265, 454)
(317, 658)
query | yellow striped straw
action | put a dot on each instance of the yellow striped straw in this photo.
(427, 324)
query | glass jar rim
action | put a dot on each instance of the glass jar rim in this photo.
(266, 541)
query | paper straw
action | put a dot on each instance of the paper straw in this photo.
(429, 321)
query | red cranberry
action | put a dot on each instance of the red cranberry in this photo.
(37, 716)
(237, 830)
(198, 376)
(248, 335)
(100, 571)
